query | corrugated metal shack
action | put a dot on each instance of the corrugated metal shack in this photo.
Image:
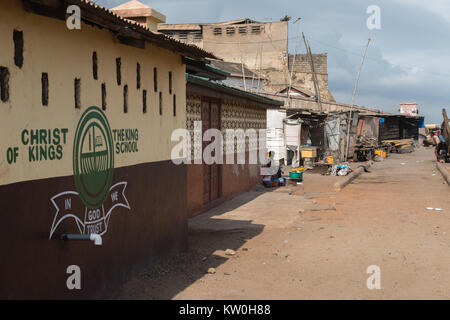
(393, 127)
(369, 126)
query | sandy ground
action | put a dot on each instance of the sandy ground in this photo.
(310, 242)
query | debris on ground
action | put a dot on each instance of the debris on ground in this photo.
(340, 170)
(400, 146)
(230, 252)
(378, 158)
(317, 207)
(365, 167)
(367, 141)
(211, 270)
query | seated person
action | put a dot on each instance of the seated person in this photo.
(441, 146)
(269, 164)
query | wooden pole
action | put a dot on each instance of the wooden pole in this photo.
(293, 62)
(353, 100)
(316, 85)
(242, 66)
(446, 128)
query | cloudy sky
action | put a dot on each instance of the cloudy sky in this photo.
(407, 60)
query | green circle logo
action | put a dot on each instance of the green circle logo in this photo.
(93, 157)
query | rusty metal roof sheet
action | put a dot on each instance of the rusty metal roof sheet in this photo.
(198, 26)
(180, 26)
(235, 69)
(232, 91)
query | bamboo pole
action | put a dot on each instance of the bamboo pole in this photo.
(353, 100)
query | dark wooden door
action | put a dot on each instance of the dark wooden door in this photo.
(211, 173)
(215, 123)
(206, 123)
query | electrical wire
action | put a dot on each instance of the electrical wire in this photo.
(421, 69)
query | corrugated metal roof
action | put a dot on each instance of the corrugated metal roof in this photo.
(198, 26)
(179, 27)
(233, 91)
(238, 21)
(366, 111)
(234, 68)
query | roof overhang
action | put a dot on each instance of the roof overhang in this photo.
(220, 91)
(127, 31)
(204, 70)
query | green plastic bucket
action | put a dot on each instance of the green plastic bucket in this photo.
(296, 175)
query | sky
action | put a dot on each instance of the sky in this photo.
(407, 59)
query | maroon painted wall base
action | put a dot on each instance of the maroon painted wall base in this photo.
(32, 266)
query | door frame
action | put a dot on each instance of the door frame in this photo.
(210, 100)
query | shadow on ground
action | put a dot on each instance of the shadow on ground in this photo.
(207, 246)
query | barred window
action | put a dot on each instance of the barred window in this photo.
(197, 35)
(230, 30)
(256, 29)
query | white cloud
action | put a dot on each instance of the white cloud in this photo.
(437, 7)
(406, 61)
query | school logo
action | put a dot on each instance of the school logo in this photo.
(91, 205)
(93, 158)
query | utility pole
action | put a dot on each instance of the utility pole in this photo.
(316, 85)
(293, 62)
(242, 66)
(260, 66)
(446, 129)
(353, 100)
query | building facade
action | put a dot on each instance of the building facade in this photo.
(221, 107)
(86, 118)
(261, 47)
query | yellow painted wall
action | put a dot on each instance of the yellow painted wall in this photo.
(65, 55)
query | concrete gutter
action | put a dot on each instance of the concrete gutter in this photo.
(443, 170)
(339, 185)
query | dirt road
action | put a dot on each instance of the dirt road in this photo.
(313, 243)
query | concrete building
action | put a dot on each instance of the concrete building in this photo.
(86, 118)
(240, 41)
(220, 106)
(261, 47)
(139, 12)
(409, 108)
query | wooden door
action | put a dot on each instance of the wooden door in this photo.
(211, 173)
(206, 124)
(215, 123)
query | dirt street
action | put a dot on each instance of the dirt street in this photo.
(310, 242)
